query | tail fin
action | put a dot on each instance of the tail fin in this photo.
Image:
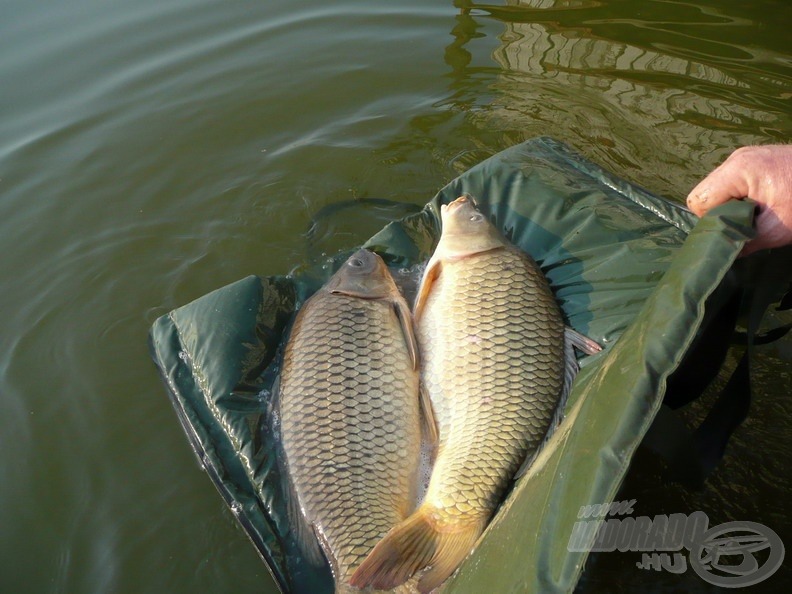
(416, 543)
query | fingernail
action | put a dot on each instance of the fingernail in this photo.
(700, 197)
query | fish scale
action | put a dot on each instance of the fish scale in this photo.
(492, 344)
(495, 395)
(350, 423)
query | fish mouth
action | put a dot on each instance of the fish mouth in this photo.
(458, 203)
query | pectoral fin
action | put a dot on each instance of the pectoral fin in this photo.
(431, 273)
(581, 342)
(406, 321)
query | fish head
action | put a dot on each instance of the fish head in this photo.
(466, 230)
(363, 275)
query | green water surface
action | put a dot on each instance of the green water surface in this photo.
(152, 151)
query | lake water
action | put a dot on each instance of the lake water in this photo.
(152, 151)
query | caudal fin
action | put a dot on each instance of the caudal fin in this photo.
(418, 542)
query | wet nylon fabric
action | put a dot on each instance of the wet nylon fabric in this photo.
(629, 269)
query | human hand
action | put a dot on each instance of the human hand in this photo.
(761, 173)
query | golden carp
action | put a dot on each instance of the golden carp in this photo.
(491, 338)
(350, 412)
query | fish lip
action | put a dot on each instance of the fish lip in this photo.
(459, 203)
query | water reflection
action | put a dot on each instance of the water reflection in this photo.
(659, 96)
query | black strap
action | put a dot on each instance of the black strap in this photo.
(728, 412)
(692, 454)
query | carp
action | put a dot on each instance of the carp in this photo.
(494, 363)
(350, 415)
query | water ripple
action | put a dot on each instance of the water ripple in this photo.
(152, 151)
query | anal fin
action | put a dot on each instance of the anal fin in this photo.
(430, 423)
(415, 544)
(305, 533)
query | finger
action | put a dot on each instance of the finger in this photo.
(727, 182)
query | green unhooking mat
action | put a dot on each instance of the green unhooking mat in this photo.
(630, 270)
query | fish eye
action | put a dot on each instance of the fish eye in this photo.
(356, 262)
(476, 218)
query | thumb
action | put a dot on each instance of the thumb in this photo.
(725, 183)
